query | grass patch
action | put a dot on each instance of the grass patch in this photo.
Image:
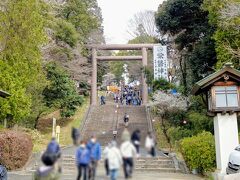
(65, 135)
(41, 138)
(162, 143)
(161, 139)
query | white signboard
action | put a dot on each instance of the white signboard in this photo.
(160, 62)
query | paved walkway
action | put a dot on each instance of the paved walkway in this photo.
(101, 176)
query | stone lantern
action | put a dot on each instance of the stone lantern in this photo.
(222, 91)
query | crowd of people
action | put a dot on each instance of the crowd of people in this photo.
(128, 96)
(88, 155)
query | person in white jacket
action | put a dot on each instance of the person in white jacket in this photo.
(129, 152)
(150, 144)
(114, 160)
(105, 155)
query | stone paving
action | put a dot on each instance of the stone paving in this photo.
(136, 176)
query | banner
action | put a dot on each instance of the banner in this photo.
(160, 62)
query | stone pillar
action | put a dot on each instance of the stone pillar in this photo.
(226, 138)
(144, 84)
(94, 78)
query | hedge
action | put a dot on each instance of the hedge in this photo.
(199, 152)
(15, 149)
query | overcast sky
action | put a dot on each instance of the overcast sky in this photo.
(117, 13)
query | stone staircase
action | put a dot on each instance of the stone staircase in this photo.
(143, 164)
(103, 120)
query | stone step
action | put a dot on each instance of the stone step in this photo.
(155, 166)
(68, 162)
(155, 163)
(103, 119)
(140, 159)
(159, 170)
(137, 166)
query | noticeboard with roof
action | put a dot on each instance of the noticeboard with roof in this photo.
(222, 90)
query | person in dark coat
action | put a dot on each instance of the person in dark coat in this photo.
(82, 160)
(126, 119)
(52, 153)
(136, 138)
(53, 147)
(51, 168)
(102, 100)
(75, 136)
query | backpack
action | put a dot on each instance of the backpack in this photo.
(49, 158)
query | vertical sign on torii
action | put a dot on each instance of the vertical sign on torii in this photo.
(160, 63)
(142, 47)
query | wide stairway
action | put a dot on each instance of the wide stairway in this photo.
(103, 120)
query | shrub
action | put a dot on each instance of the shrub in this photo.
(199, 122)
(178, 133)
(16, 148)
(176, 117)
(199, 152)
(162, 84)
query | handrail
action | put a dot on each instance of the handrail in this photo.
(115, 122)
(149, 119)
(83, 124)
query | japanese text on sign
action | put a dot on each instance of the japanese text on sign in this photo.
(160, 62)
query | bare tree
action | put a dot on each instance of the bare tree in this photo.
(143, 23)
(229, 13)
(166, 104)
(230, 17)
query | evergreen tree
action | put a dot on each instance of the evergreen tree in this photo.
(225, 15)
(61, 92)
(21, 36)
(187, 23)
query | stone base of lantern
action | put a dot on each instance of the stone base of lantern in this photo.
(226, 139)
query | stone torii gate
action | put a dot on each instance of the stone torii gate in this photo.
(95, 58)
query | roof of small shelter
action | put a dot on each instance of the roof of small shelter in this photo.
(208, 81)
(4, 94)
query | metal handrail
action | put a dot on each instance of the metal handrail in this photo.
(83, 124)
(149, 119)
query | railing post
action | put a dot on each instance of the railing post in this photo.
(144, 83)
(94, 78)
